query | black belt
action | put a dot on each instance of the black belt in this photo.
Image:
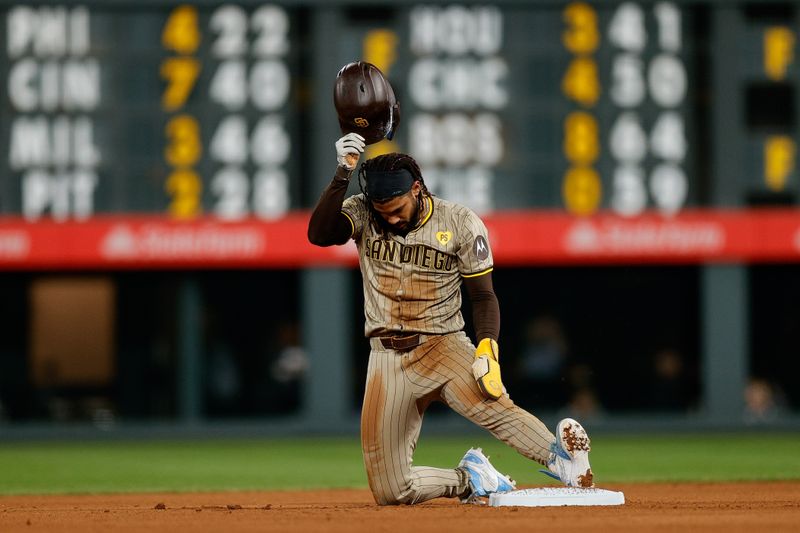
(404, 343)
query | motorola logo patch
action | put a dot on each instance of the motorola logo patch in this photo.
(481, 248)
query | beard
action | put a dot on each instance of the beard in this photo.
(406, 227)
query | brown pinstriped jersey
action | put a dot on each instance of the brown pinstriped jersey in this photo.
(413, 283)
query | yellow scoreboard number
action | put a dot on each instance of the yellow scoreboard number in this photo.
(581, 188)
(181, 34)
(779, 150)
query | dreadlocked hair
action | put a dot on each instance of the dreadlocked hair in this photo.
(385, 163)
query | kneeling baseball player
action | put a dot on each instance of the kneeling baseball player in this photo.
(415, 251)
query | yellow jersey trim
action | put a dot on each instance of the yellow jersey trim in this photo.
(428, 216)
(350, 220)
(477, 274)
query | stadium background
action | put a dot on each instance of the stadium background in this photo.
(635, 164)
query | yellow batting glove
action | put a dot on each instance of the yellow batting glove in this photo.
(486, 369)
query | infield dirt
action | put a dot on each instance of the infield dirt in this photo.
(750, 506)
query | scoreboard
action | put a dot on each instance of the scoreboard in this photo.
(194, 109)
(175, 110)
(204, 112)
(569, 106)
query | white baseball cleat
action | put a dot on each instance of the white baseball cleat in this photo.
(570, 460)
(484, 479)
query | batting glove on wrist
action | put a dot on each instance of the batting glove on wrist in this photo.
(348, 149)
(486, 369)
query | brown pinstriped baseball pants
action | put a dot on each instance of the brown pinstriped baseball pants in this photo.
(400, 386)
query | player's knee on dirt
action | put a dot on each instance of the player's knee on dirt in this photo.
(405, 495)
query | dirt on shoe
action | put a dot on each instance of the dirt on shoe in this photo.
(586, 481)
(575, 442)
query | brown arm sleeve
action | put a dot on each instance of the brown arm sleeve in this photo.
(328, 225)
(485, 307)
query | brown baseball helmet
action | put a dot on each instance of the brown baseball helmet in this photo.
(365, 102)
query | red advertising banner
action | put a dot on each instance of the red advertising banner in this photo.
(693, 236)
(517, 238)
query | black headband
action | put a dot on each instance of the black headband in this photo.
(386, 184)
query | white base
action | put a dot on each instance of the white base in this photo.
(556, 496)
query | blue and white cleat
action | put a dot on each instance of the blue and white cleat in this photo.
(484, 479)
(569, 462)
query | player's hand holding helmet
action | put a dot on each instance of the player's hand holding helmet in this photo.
(486, 369)
(349, 149)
